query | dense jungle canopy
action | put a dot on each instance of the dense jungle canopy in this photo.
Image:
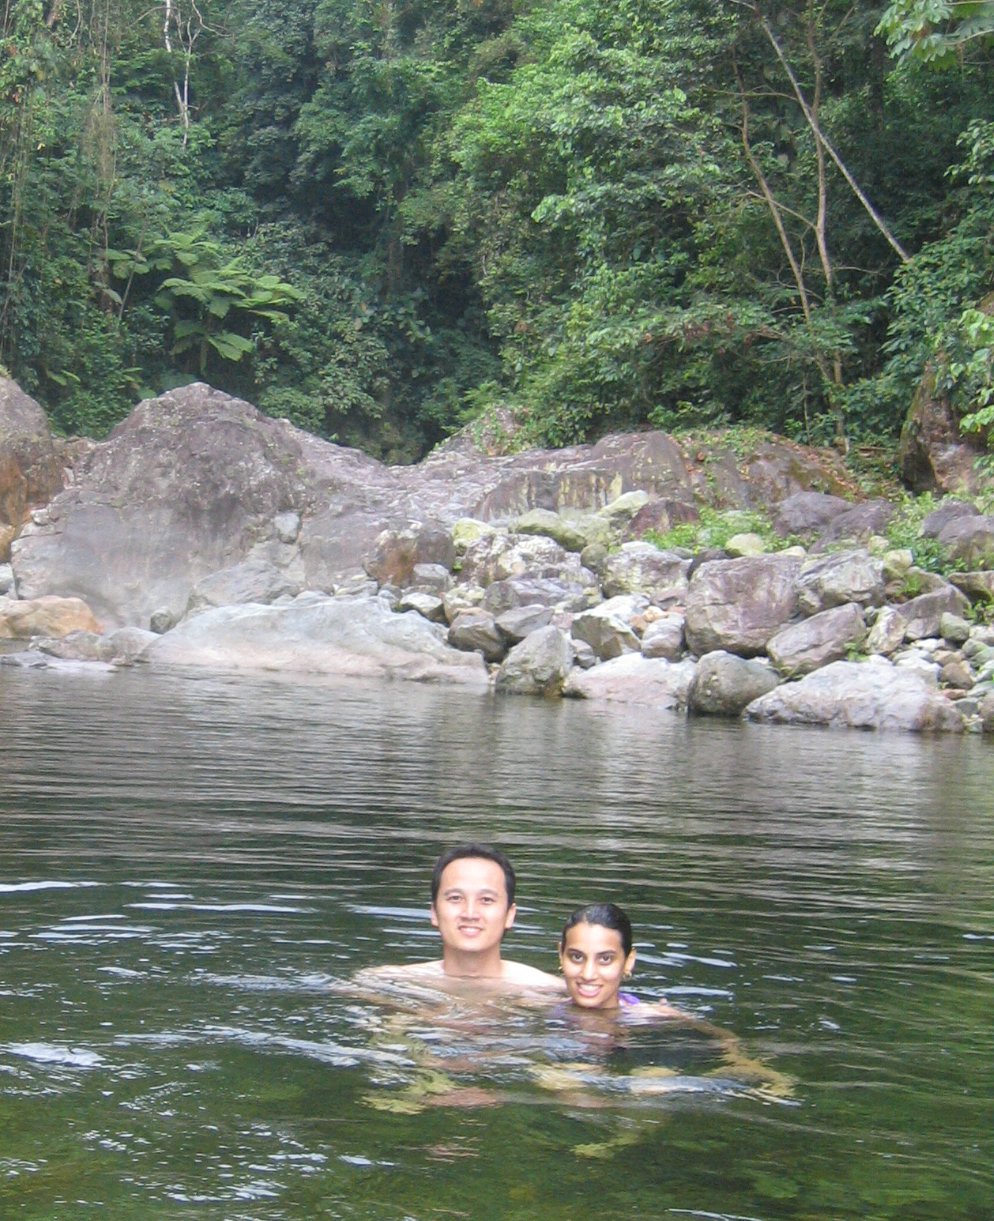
(380, 218)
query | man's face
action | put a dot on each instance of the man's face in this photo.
(471, 911)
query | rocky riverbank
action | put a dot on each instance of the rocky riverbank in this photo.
(683, 577)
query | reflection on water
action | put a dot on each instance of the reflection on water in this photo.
(193, 867)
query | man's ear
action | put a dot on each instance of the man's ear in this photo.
(512, 911)
(433, 915)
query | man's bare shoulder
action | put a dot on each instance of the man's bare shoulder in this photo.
(412, 970)
(513, 976)
(521, 973)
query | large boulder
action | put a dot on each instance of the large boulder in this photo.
(817, 641)
(859, 696)
(737, 605)
(315, 634)
(634, 679)
(608, 628)
(642, 568)
(186, 486)
(474, 630)
(196, 482)
(49, 615)
(922, 616)
(725, 684)
(31, 472)
(538, 665)
(970, 540)
(935, 456)
(838, 578)
(252, 580)
(807, 512)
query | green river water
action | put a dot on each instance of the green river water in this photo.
(193, 867)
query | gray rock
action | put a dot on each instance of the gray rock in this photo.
(430, 606)
(664, 638)
(634, 679)
(460, 598)
(286, 526)
(923, 615)
(195, 482)
(859, 696)
(642, 568)
(499, 556)
(970, 541)
(583, 655)
(126, 645)
(934, 455)
(949, 510)
(252, 580)
(748, 543)
(607, 630)
(887, 633)
(859, 522)
(183, 488)
(6, 580)
(957, 674)
(737, 605)
(477, 631)
(501, 596)
(538, 665)
(661, 515)
(318, 635)
(807, 512)
(162, 620)
(725, 684)
(431, 579)
(520, 621)
(815, 642)
(76, 646)
(27, 659)
(954, 628)
(554, 526)
(978, 586)
(838, 578)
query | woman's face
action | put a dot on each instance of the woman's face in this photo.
(594, 962)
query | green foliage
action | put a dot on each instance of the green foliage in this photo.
(379, 218)
(937, 32)
(904, 532)
(211, 288)
(715, 527)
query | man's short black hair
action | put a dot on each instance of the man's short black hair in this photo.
(484, 851)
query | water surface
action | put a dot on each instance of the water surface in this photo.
(192, 867)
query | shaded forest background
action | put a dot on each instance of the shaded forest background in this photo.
(383, 218)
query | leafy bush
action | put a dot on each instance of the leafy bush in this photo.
(715, 527)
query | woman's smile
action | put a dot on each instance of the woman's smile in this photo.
(594, 962)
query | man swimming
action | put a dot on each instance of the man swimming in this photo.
(472, 906)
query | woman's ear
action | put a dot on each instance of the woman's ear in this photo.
(630, 962)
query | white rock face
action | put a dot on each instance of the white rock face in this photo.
(859, 696)
(635, 679)
(319, 635)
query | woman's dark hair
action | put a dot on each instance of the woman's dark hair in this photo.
(607, 915)
(482, 851)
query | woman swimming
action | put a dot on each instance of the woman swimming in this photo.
(596, 954)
